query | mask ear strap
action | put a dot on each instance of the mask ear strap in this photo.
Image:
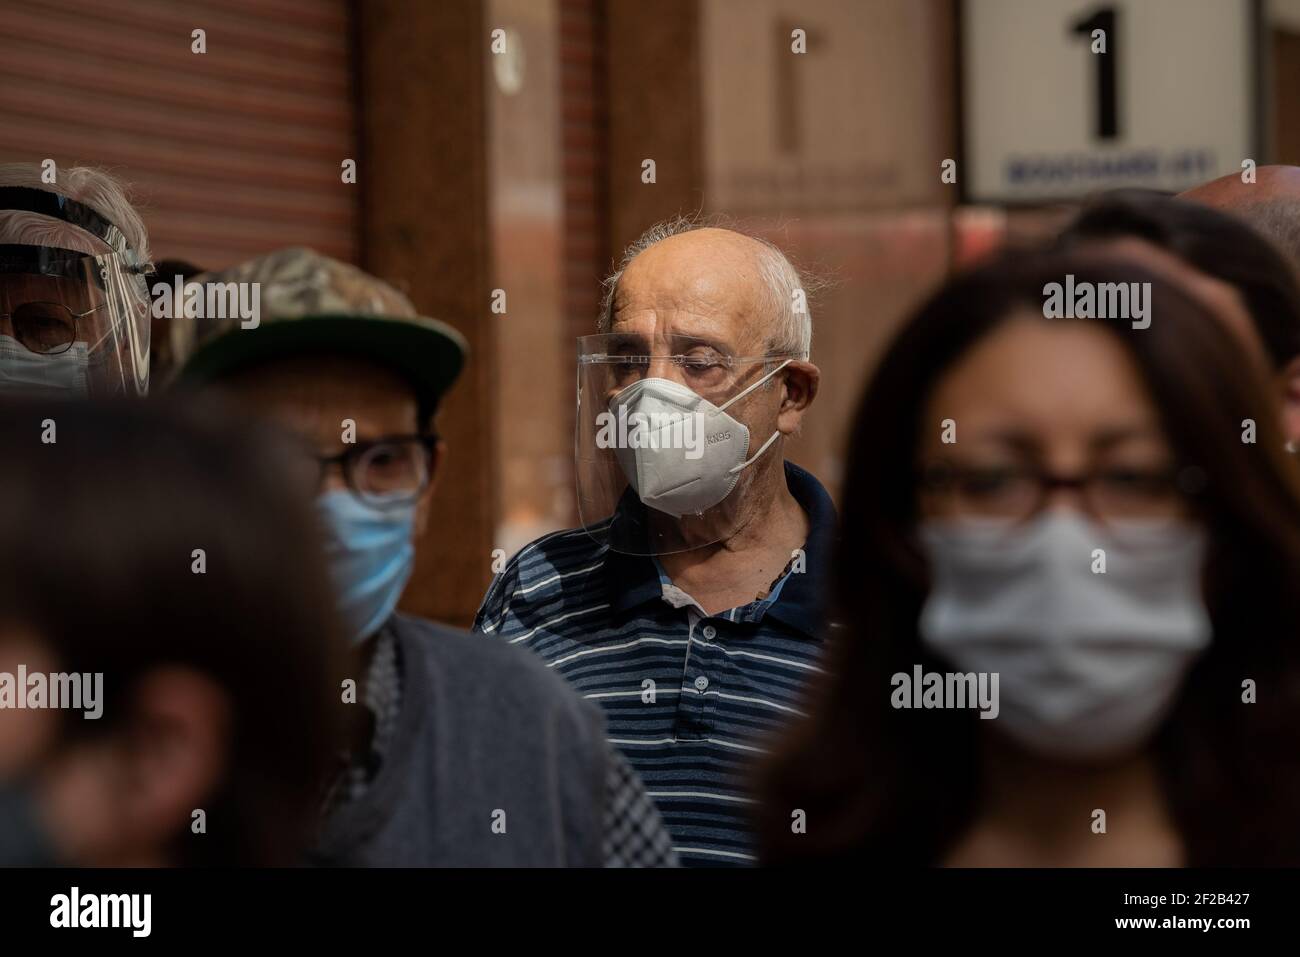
(745, 392)
(753, 458)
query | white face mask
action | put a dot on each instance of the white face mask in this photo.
(24, 371)
(664, 474)
(1089, 663)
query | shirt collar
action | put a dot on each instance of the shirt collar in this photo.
(797, 601)
(800, 602)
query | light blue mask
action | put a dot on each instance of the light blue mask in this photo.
(25, 371)
(371, 555)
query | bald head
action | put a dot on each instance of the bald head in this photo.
(1230, 193)
(730, 279)
(1271, 204)
(706, 282)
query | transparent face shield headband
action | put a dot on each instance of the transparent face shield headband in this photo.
(56, 206)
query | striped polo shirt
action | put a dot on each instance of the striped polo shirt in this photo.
(692, 699)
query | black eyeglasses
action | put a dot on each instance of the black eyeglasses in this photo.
(388, 472)
(45, 328)
(1016, 493)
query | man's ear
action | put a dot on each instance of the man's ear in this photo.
(422, 508)
(801, 381)
(1290, 386)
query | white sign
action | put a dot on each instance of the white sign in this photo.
(1062, 98)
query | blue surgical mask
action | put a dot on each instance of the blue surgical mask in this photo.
(371, 555)
(24, 371)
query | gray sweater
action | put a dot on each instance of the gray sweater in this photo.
(494, 762)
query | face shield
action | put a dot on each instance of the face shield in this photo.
(663, 454)
(71, 323)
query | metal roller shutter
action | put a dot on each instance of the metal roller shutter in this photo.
(229, 153)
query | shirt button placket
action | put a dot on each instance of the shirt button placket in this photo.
(691, 707)
(703, 681)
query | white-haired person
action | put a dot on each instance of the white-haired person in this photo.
(74, 301)
(689, 603)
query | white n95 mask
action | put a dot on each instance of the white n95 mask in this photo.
(1089, 662)
(680, 467)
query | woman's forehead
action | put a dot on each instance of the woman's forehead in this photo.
(1048, 376)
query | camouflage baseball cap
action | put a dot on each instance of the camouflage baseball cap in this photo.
(311, 304)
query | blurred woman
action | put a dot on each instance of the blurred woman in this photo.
(1103, 517)
(164, 551)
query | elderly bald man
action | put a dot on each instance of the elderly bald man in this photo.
(689, 603)
(1272, 205)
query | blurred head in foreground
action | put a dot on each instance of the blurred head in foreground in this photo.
(1102, 518)
(158, 549)
(1246, 281)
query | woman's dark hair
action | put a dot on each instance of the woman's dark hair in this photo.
(883, 785)
(1211, 242)
(102, 509)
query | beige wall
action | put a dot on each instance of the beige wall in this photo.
(834, 155)
(532, 428)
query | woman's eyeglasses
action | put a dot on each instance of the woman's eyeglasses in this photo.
(1017, 493)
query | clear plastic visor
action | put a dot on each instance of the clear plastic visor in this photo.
(663, 455)
(72, 323)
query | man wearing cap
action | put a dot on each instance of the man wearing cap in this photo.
(471, 754)
(74, 303)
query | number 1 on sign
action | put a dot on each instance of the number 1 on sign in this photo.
(1106, 105)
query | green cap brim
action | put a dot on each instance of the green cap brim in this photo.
(428, 353)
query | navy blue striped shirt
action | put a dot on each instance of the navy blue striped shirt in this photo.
(692, 699)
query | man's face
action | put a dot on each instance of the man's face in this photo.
(705, 286)
(122, 796)
(316, 396)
